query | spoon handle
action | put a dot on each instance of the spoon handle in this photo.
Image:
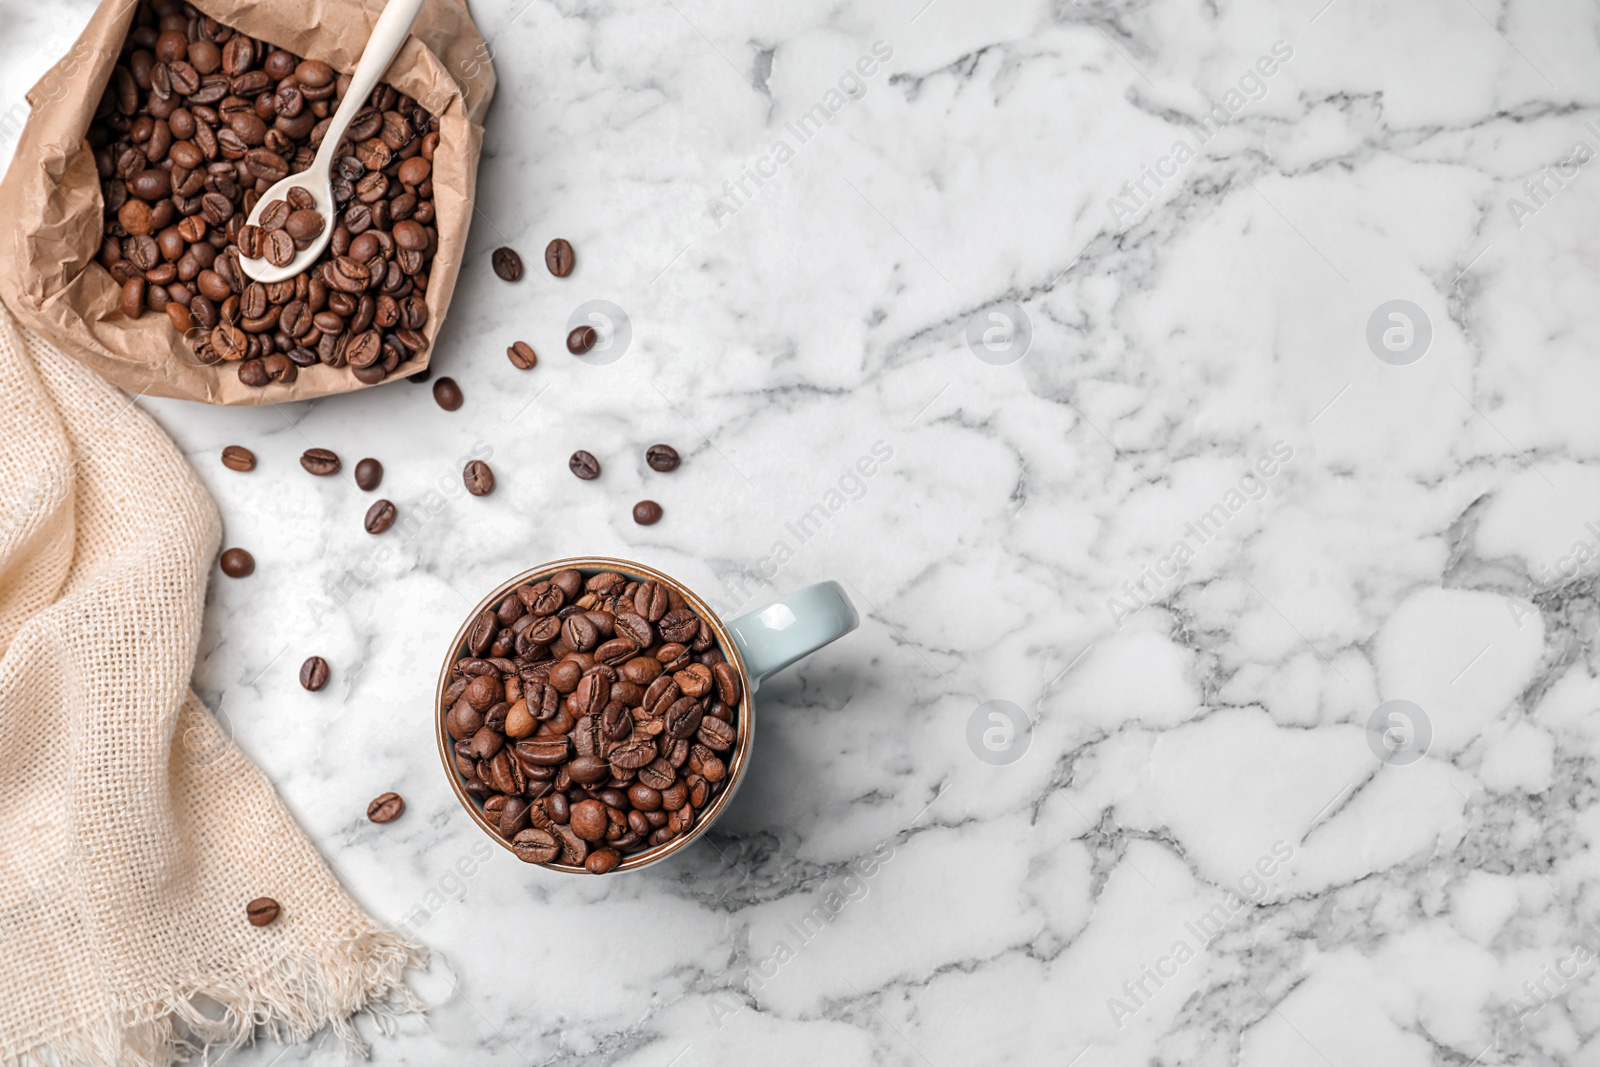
(388, 34)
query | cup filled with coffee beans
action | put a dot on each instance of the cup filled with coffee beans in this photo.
(595, 715)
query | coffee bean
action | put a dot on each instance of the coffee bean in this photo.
(314, 673)
(320, 461)
(386, 808)
(662, 458)
(237, 563)
(584, 465)
(380, 516)
(581, 339)
(507, 264)
(603, 861)
(647, 513)
(535, 846)
(369, 474)
(262, 911)
(447, 394)
(558, 257)
(238, 458)
(521, 355)
(479, 478)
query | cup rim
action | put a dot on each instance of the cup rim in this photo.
(730, 649)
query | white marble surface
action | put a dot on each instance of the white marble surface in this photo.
(1414, 914)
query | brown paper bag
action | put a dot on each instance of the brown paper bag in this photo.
(51, 206)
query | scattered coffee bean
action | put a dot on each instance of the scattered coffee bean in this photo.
(447, 394)
(581, 339)
(262, 911)
(479, 478)
(662, 458)
(594, 717)
(369, 474)
(189, 136)
(647, 513)
(320, 461)
(522, 355)
(380, 516)
(238, 458)
(237, 563)
(314, 673)
(507, 264)
(558, 257)
(386, 808)
(584, 465)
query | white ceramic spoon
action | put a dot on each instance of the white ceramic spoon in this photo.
(387, 36)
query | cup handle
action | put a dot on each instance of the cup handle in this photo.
(792, 628)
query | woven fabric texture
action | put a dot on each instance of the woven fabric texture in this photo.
(132, 831)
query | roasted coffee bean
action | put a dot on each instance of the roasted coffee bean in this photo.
(369, 474)
(507, 264)
(320, 461)
(478, 477)
(238, 458)
(237, 563)
(535, 846)
(584, 465)
(380, 516)
(662, 458)
(603, 861)
(581, 339)
(729, 687)
(262, 911)
(521, 355)
(314, 673)
(386, 808)
(558, 257)
(447, 394)
(647, 513)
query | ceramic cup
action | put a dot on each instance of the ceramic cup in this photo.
(758, 644)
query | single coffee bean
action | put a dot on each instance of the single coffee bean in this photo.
(238, 458)
(558, 257)
(262, 911)
(584, 465)
(237, 563)
(447, 394)
(507, 264)
(647, 513)
(581, 339)
(380, 516)
(479, 478)
(521, 355)
(386, 808)
(314, 673)
(369, 474)
(662, 458)
(535, 846)
(320, 461)
(602, 861)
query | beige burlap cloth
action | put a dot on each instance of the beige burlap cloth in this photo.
(132, 831)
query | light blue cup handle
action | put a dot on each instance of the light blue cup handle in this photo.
(792, 628)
